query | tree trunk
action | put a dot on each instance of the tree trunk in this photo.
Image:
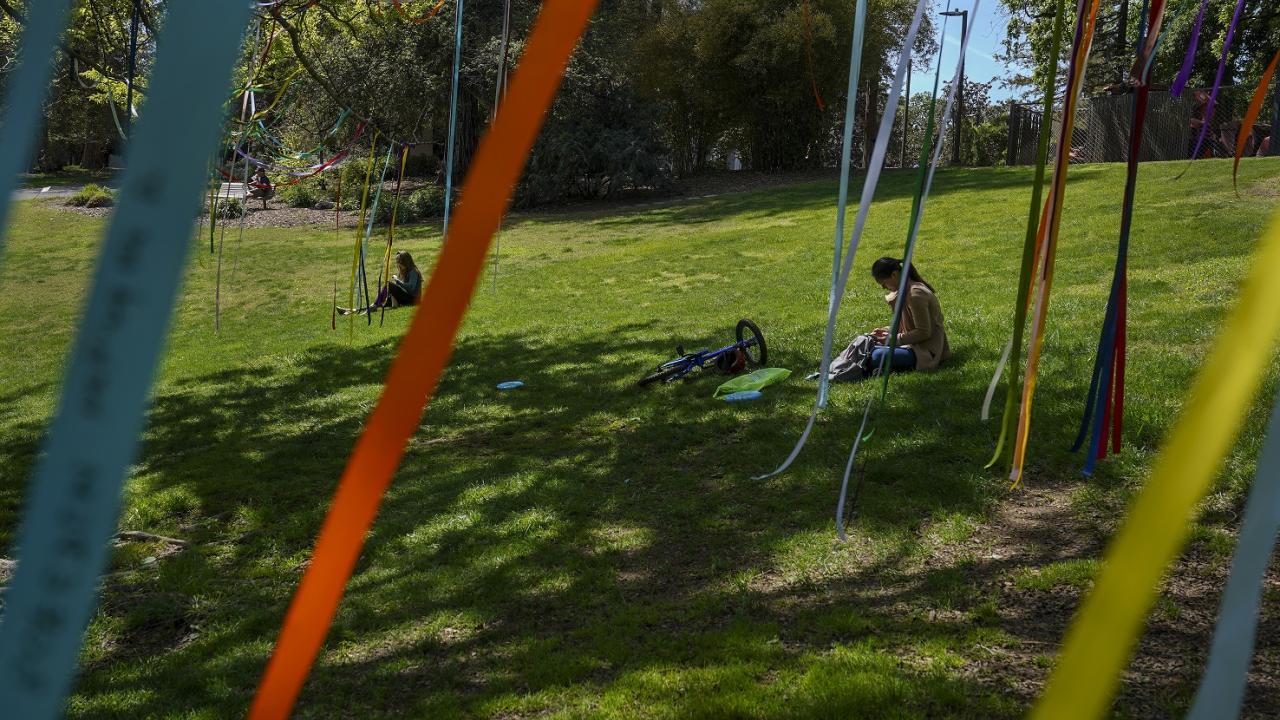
(870, 120)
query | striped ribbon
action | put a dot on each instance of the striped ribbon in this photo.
(74, 495)
(27, 86)
(1101, 639)
(423, 354)
(453, 120)
(1106, 387)
(1047, 252)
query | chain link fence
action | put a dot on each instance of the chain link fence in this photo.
(1173, 125)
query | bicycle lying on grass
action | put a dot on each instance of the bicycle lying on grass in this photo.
(748, 350)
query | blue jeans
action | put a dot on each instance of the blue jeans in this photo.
(903, 358)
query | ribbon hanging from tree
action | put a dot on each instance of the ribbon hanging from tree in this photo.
(453, 120)
(1212, 105)
(928, 166)
(74, 497)
(1086, 17)
(1251, 116)
(808, 51)
(1106, 387)
(1222, 687)
(1100, 640)
(1189, 60)
(839, 271)
(1029, 250)
(423, 354)
(25, 89)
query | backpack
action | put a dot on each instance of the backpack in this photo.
(855, 362)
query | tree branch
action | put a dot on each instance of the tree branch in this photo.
(66, 49)
(295, 41)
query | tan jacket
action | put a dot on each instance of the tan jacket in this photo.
(921, 328)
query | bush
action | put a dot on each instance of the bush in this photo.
(428, 201)
(93, 196)
(230, 208)
(406, 213)
(302, 195)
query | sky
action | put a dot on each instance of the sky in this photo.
(987, 32)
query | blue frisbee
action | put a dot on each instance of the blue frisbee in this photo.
(744, 396)
(512, 385)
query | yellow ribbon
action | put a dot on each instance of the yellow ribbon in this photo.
(355, 253)
(1100, 642)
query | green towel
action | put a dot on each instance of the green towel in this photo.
(757, 380)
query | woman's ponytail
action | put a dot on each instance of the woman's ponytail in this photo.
(887, 266)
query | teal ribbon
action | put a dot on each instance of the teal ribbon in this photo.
(1221, 692)
(842, 204)
(24, 101)
(74, 495)
(913, 233)
(453, 120)
(868, 194)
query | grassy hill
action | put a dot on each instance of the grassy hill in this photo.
(582, 548)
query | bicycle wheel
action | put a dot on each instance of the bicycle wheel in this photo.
(666, 371)
(749, 334)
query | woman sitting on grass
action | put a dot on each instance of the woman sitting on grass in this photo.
(405, 287)
(922, 340)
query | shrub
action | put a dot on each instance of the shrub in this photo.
(302, 195)
(93, 196)
(230, 208)
(406, 213)
(428, 201)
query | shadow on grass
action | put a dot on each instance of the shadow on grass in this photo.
(575, 538)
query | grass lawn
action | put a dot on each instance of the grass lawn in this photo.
(581, 548)
(64, 178)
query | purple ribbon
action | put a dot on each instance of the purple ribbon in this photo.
(1217, 81)
(1180, 83)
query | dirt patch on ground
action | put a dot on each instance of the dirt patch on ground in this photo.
(1036, 528)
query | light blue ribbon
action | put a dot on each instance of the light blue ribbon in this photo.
(913, 236)
(1221, 692)
(842, 204)
(868, 194)
(24, 102)
(74, 495)
(453, 120)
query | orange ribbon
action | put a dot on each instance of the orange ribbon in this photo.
(418, 20)
(424, 352)
(1251, 116)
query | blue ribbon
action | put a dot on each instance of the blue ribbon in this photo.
(24, 101)
(453, 120)
(74, 494)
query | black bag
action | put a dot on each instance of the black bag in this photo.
(855, 362)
